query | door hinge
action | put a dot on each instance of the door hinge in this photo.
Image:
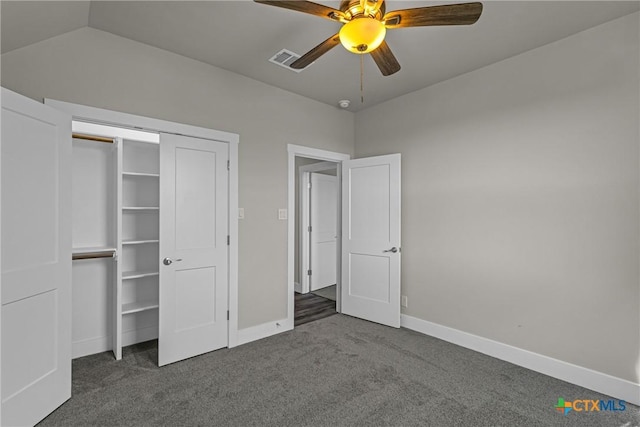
(228, 240)
(228, 165)
(227, 314)
(308, 272)
(309, 229)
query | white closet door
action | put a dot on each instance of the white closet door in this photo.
(36, 259)
(193, 247)
(324, 230)
(371, 239)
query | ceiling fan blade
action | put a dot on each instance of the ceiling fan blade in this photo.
(451, 14)
(307, 7)
(385, 60)
(316, 52)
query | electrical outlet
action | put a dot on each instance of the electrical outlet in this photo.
(282, 214)
(404, 301)
(240, 213)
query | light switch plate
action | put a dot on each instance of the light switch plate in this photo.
(282, 214)
(240, 213)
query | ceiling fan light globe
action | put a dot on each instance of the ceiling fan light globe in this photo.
(362, 35)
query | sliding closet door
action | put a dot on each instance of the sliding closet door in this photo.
(36, 259)
(193, 247)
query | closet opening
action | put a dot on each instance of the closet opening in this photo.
(115, 226)
(169, 210)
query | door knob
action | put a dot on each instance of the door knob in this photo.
(393, 249)
(167, 261)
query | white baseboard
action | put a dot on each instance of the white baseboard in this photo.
(90, 346)
(100, 344)
(574, 374)
(297, 287)
(139, 335)
(264, 330)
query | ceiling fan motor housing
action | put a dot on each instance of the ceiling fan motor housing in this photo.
(353, 8)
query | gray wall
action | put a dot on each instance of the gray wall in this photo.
(95, 68)
(520, 186)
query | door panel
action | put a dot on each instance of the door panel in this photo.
(195, 198)
(39, 350)
(370, 203)
(369, 277)
(38, 235)
(36, 259)
(193, 234)
(370, 229)
(194, 298)
(324, 219)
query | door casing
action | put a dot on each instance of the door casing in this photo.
(318, 154)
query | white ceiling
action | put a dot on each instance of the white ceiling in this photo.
(241, 36)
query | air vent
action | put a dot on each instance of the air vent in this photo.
(285, 58)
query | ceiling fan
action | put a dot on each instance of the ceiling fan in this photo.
(365, 24)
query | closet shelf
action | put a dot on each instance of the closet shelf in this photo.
(139, 241)
(136, 307)
(140, 208)
(138, 215)
(150, 142)
(127, 275)
(141, 174)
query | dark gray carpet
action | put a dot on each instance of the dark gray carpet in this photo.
(334, 371)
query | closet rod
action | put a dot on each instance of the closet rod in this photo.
(92, 138)
(92, 255)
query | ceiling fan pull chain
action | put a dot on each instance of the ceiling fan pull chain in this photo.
(361, 79)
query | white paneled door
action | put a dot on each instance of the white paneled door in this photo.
(371, 239)
(324, 230)
(36, 260)
(193, 247)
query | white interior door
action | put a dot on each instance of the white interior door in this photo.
(193, 247)
(324, 230)
(36, 259)
(371, 239)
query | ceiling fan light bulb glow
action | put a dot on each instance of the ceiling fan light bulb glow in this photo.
(362, 35)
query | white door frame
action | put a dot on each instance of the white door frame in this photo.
(312, 153)
(114, 118)
(304, 200)
(0, 268)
